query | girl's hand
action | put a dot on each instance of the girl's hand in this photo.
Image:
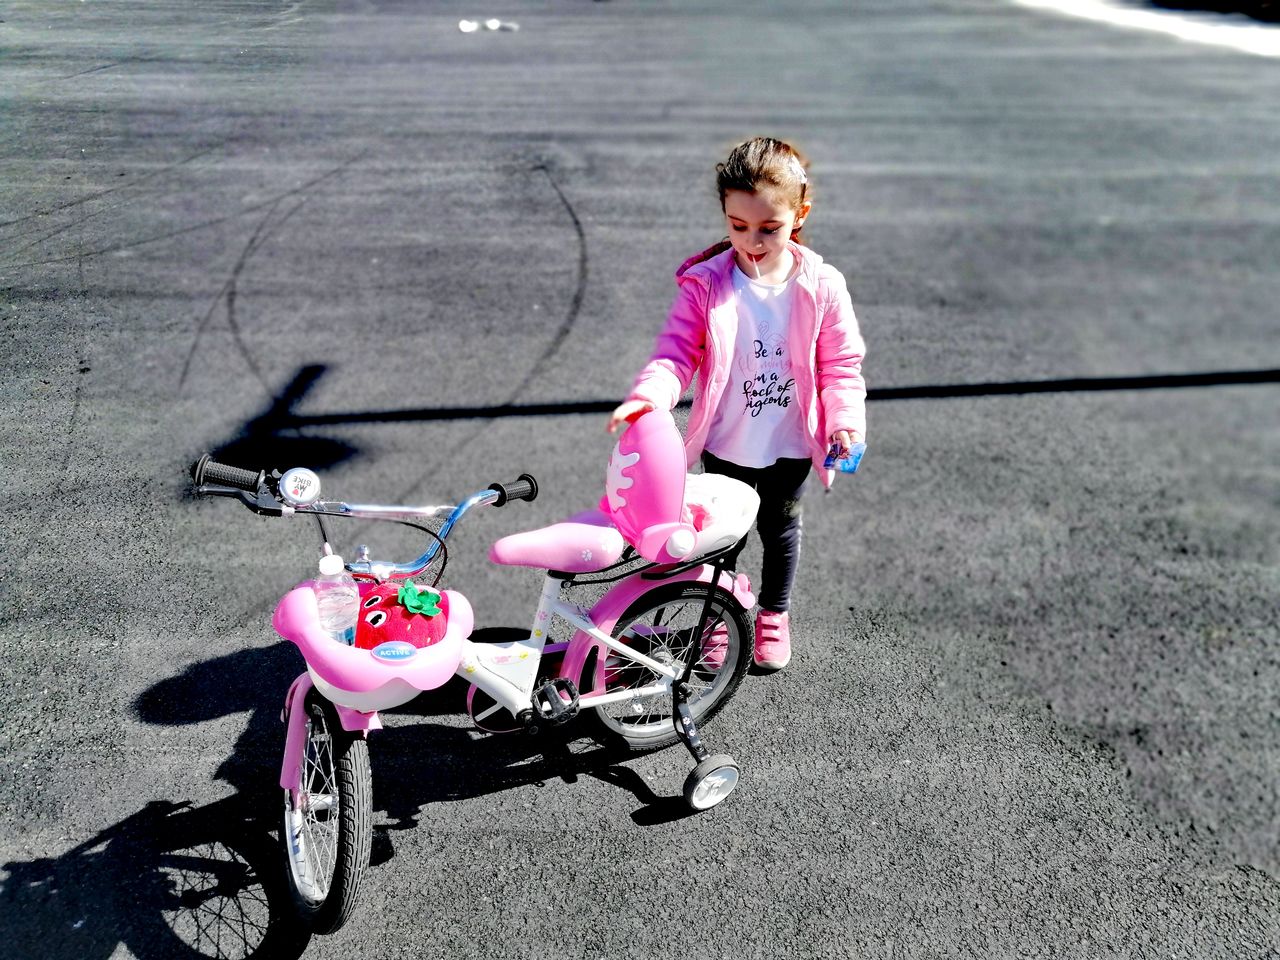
(845, 439)
(626, 410)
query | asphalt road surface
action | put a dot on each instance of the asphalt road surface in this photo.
(1032, 711)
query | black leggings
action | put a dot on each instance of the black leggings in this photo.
(778, 523)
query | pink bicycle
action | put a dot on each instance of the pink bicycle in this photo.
(660, 652)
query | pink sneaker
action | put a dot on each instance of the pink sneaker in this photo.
(773, 640)
(715, 647)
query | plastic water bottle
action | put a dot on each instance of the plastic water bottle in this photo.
(338, 599)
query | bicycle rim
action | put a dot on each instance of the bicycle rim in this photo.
(663, 624)
(312, 825)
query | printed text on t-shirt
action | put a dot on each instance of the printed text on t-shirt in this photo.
(767, 390)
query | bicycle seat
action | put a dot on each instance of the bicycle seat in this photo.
(583, 543)
(720, 510)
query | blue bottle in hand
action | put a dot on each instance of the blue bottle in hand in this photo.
(849, 462)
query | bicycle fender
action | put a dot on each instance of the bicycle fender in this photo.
(613, 604)
(295, 719)
(295, 731)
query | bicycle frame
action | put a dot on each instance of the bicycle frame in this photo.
(507, 671)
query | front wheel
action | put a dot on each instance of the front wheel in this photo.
(664, 625)
(327, 832)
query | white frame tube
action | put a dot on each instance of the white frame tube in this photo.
(506, 671)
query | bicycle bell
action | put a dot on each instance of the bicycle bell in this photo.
(300, 487)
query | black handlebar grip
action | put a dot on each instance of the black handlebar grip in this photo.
(207, 470)
(525, 488)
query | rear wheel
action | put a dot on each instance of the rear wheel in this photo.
(664, 625)
(328, 818)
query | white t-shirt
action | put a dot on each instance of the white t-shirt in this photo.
(758, 420)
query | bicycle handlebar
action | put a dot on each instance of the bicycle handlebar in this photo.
(207, 470)
(260, 491)
(522, 488)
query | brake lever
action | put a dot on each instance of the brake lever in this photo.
(263, 502)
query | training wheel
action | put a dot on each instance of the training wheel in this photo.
(710, 781)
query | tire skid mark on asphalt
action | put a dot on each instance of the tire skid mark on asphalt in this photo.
(271, 22)
(228, 292)
(194, 228)
(256, 610)
(285, 17)
(82, 367)
(59, 486)
(579, 293)
(137, 181)
(85, 73)
(552, 348)
(80, 221)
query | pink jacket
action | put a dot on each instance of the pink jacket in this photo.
(699, 338)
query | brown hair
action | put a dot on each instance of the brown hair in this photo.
(765, 163)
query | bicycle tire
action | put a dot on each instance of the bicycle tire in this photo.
(328, 837)
(664, 620)
(710, 782)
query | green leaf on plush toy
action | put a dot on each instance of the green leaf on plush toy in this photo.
(417, 599)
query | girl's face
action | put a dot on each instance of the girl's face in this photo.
(760, 224)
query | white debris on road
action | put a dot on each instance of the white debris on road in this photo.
(493, 23)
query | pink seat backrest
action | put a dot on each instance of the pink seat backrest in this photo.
(644, 488)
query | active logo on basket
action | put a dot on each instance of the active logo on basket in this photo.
(394, 651)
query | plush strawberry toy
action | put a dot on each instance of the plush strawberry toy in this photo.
(400, 611)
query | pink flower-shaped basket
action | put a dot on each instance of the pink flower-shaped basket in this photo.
(385, 676)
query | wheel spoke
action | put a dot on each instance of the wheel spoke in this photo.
(669, 633)
(314, 826)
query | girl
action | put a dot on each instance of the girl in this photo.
(769, 330)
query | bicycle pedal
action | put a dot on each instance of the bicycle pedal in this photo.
(550, 706)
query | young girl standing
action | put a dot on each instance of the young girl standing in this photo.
(769, 329)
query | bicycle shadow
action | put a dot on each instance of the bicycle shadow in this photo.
(175, 880)
(464, 764)
(431, 763)
(170, 881)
